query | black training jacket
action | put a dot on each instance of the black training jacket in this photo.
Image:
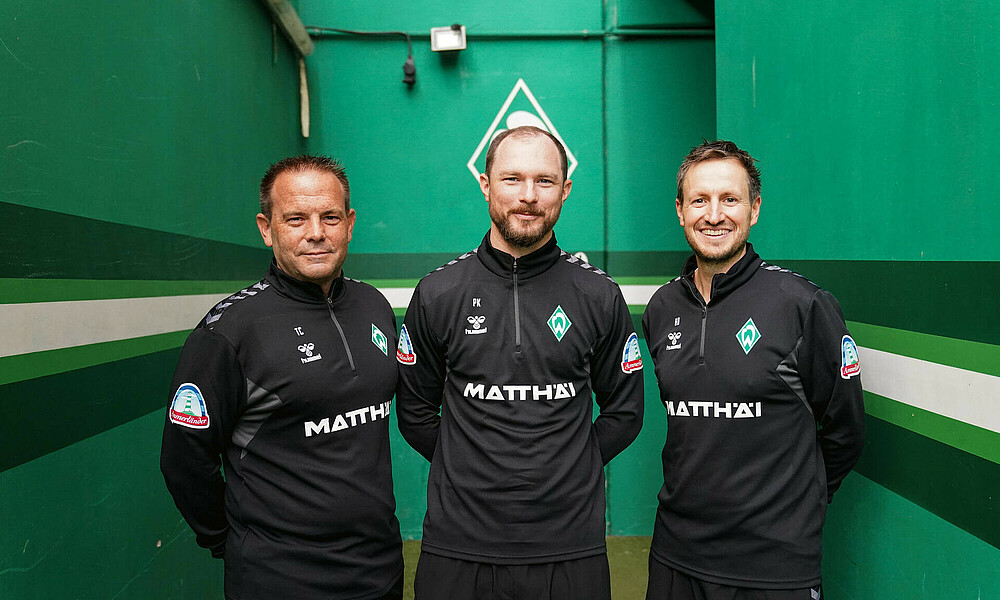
(499, 359)
(293, 389)
(765, 417)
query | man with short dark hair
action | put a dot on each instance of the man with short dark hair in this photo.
(287, 386)
(501, 351)
(761, 382)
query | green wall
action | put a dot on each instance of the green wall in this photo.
(132, 138)
(873, 125)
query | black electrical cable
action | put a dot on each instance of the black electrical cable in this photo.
(409, 67)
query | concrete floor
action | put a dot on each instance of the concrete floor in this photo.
(627, 557)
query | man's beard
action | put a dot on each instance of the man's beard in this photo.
(523, 237)
(718, 258)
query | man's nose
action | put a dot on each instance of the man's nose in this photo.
(528, 192)
(314, 229)
(714, 211)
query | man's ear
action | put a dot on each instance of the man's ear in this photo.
(264, 225)
(566, 189)
(484, 186)
(350, 224)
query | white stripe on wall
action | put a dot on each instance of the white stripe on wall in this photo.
(966, 396)
(397, 297)
(638, 294)
(634, 294)
(37, 326)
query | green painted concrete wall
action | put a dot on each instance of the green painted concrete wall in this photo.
(132, 137)
(874, 124)
(131, 144)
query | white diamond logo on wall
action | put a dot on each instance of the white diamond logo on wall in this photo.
(519, 109)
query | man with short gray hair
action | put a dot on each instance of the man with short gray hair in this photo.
(287, 386)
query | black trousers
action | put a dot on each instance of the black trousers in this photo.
(442, 578)
(670, 584)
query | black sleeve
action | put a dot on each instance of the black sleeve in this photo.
(421, 380)
(832, 384)
(208, 374)
(619, 394)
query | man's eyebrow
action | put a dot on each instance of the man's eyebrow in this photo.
(718, 192)
(520, 173)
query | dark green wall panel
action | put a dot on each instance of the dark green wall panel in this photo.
(660, 103)
(59, 410)
(94, 249)
(155, 115)
(94, 521)
(959, 487)
(479, 18)
(950, 299)
(874, 124)
(659, 14)
(879, 545)
(874, 128)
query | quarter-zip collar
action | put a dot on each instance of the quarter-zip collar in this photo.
(502, 264)
(303, 291)
(723, 283)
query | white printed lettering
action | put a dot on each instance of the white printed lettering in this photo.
(361, 416)
(703, 405)
(717, 410)
(321, 427)
(519, 392)
(538, 393)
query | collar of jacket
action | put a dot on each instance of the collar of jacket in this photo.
(303, 291)
(723, 283)
(529, 265)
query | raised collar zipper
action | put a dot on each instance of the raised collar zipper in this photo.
(517, 314)
(343, 338)
(704, 316)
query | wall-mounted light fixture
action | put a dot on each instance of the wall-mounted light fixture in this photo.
(445, 39)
